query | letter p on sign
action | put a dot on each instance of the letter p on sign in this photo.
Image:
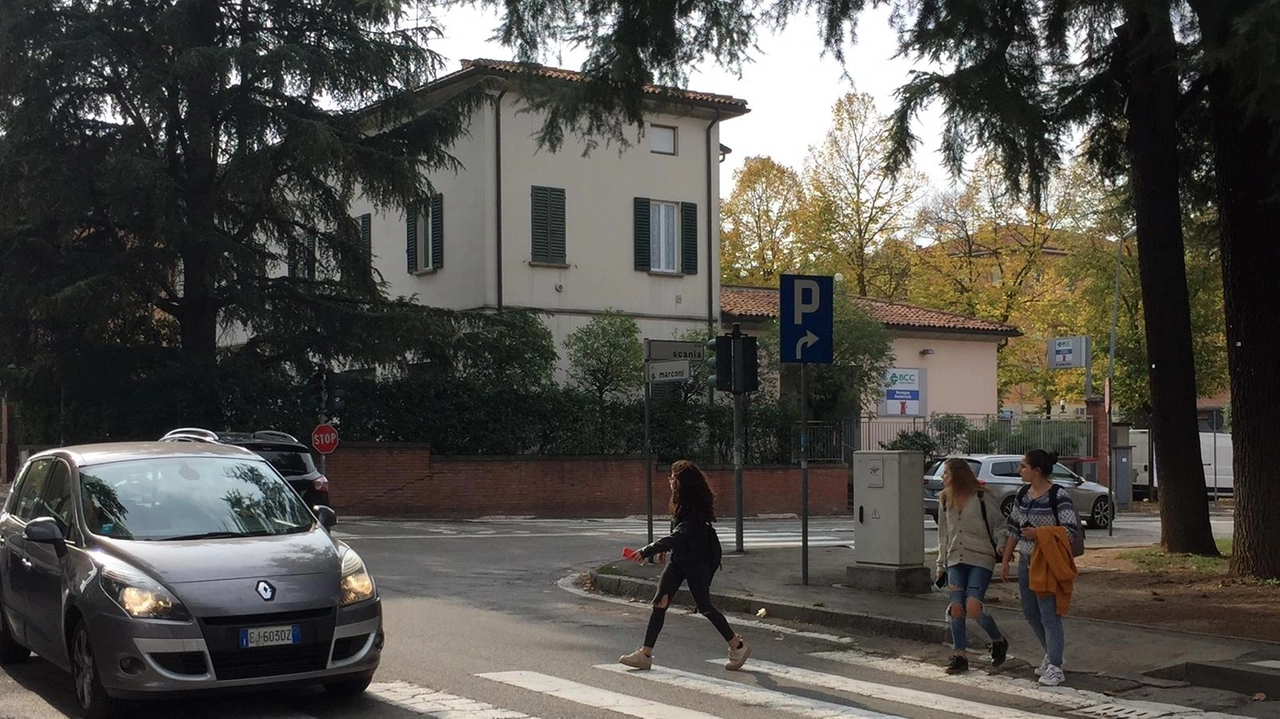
(806, 299)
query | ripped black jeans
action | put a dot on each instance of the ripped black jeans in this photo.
(699, 586)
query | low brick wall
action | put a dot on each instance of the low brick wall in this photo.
(407, 480)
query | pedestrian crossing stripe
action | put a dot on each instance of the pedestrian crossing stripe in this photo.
(889, 692)
(593, 697)
(1071, 699)
(749, 694)
(421, 700)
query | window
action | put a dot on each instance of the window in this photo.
(662, 236)
(662, 139)
(363, 260)
(302, 258)
(424, 236)
(30, 487)
(666, 236)
(1005, 469)
(547, 225)
(57, 497)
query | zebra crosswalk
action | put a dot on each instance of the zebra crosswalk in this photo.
(777, 689)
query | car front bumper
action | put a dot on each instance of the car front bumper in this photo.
(143, 659)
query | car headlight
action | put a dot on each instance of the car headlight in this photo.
(357, 585)
(141, 596)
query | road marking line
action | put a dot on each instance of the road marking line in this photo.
(1268, 664)
(429, 702)
(567, 584)
(593, 697)
(749, 694)
(888, 692)
(1068, 698)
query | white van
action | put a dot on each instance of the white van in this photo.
(1215, 455)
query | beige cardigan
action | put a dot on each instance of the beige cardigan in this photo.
(962, 539)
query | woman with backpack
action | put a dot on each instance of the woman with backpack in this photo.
(694, 558)
(1043, 524)
(969, 521)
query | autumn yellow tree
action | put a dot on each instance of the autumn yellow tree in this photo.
(759, 223)
(858, 216)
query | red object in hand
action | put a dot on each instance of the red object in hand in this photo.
(629, 553)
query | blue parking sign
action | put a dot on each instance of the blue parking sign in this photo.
(806, 321)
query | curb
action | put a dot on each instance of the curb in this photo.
(863, 623)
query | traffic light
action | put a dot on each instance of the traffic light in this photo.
(746, 366)
(720, 362)
(316, 390)
(734, 364)
(336, 401)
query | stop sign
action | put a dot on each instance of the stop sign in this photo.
(324, 438)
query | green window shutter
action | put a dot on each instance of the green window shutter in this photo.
(366, 240)
(437, 231)
(294, 257)
(540, 205)
(309, 258)
(689, 238)
(548, 224)
(557, 225)
(642, 238)
(411, 240)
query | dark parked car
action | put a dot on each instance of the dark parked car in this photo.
(148, 569)
(290, 457)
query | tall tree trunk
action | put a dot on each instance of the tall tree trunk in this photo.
(1153, 147)
(1248, 174)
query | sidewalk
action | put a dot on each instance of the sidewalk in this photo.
(770, 579)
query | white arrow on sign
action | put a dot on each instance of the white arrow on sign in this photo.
(809, 339)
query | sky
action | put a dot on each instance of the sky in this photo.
(789, 88)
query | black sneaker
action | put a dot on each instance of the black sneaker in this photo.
(957, 664)
(999, 650)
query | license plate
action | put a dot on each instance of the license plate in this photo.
(270, 636)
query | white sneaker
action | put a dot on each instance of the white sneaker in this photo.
(637, 660)
(1044, 664)
(738, 657)
(1053, 676)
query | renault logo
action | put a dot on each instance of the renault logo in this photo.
(265, 590)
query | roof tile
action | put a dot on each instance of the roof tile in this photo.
(531, 69)
(762, 302)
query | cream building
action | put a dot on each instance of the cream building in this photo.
(566, 234)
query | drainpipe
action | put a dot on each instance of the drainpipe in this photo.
(497, 123)
(711, 243)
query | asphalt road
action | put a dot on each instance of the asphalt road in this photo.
(480, 625)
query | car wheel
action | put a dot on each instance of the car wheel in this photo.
(11, 652)
(1006, 507)
(1102, 513)
(92, 697)
(350, 687)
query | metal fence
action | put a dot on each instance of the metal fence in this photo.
(826, 442)
(943, 434)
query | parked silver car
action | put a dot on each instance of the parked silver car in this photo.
(999, 473)
(150, 568)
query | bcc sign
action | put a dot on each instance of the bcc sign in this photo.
(324, 438)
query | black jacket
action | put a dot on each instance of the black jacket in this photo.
(689, 544)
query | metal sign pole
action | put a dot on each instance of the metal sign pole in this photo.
(736, 359)
(648, 447)
(804, 474)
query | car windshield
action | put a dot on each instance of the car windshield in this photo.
(173, 498)
(288, 463)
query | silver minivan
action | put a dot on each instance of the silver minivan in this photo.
(152, 568)
(999, 474)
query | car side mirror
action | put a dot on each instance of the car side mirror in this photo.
(326, 515)
(45, 530)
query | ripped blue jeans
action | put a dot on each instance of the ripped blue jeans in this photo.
(968, 582)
